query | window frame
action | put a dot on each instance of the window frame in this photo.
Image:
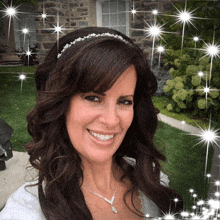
(99, 14)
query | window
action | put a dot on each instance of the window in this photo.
(113, 14)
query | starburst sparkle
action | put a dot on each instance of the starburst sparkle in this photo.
(208, 136)
(10, 12)
(154, 31)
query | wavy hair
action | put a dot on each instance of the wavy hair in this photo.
(92, 65)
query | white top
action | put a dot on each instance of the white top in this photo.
(24, 203)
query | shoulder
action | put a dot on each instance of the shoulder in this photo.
(23, 204)
(149, 208)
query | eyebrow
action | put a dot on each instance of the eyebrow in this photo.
(103, 94)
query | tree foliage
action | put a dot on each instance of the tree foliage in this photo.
(185, 86)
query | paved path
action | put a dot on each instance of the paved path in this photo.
(16, 174)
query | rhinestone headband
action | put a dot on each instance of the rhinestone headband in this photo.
(88, 37)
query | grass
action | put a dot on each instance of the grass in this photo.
(176, 144)
(185, 164)
(16, 103)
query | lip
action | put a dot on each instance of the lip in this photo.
(101, 132)
(100, 142)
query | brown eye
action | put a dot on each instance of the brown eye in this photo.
(92, 98)
(126, 102)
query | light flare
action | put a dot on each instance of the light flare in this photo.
(155, 12)
(160, 50)
(169, 217)
(208, 136)
(200, 74)
(28, 53)
(10, 12)
(184, 214)
(211, 50)
(22, 77)
(43, 15)
(184, 16)
(25, 31)
(196, 38)
(154, 31)
(133, 11)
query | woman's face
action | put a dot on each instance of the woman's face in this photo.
(97, 123)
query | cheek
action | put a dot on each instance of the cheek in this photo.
(127, 118)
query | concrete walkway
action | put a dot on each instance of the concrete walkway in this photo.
(16, 173)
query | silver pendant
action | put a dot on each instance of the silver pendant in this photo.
(114, 209)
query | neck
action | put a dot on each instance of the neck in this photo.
(101, 177)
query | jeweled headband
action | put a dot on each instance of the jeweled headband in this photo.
(90, 36)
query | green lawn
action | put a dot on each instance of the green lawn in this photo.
(15, 103)
(185, 164)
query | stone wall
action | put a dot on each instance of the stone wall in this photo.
(70, 14)
(145, 15)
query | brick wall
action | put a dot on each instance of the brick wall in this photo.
(72, 15)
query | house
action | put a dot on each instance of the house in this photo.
(74, 14)
(42, 19)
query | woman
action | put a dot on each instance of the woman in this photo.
(92, 128)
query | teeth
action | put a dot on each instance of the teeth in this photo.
(101, 136)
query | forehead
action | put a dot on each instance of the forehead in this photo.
(126, 83)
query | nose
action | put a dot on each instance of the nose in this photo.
(109, 116)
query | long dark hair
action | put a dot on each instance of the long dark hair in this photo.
(92, 65)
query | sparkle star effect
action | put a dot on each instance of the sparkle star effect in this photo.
(160, 50)
(25, 31)
(207, 90)
(209, 136)
(184, 17)
(155, 12)
(28, 53)
(211, 50)
(154, 31)
(184, 214)
(134, 11)
(195, 39)
(44, 15)
(22, 77)
(10, 12)
(200, 74)
(57, 29)
(169, 217)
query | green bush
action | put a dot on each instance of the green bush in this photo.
(186, 59)
(187, 88)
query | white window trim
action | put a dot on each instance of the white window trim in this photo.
(99, 14)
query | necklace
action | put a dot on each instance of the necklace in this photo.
(108, 201)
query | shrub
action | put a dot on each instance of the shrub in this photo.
(187, 88)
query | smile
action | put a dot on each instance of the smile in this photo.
(101, 136)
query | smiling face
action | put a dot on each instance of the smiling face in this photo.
(97, 123)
